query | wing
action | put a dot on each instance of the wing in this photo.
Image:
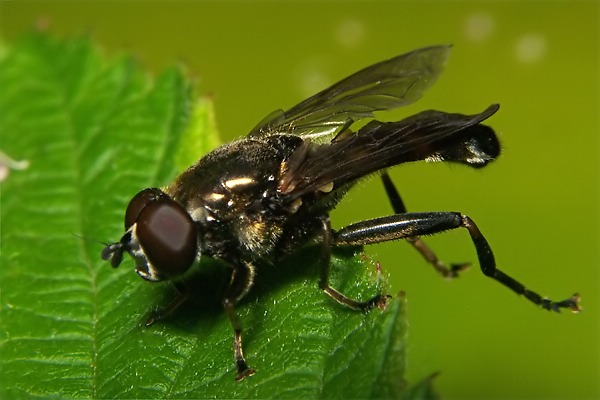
(429, 135)
(389, 84)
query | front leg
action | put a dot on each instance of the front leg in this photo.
(402, 226)
(183, 293)
(241, 281)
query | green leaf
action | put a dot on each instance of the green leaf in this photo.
(95, 132)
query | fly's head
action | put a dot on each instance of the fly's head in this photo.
(159, 235)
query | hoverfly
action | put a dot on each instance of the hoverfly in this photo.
(262, 196)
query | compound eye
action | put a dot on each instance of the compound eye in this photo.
(167, 235)
(139, 202)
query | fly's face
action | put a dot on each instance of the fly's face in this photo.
(160, 236)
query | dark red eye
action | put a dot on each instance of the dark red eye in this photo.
(139, 202)
(167, 235)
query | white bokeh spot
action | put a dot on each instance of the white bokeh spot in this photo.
(531, 48)
(350, 32)
(311, 78)
(479, 27)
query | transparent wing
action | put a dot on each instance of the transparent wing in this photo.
(389, 84)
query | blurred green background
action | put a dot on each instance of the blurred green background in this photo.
(537, 205)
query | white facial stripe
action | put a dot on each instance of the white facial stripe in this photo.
(143, 266)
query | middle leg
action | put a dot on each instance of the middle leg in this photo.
(241, 281)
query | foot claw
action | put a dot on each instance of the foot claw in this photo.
(572, 303)
(379, 301)
(153, 317)
(244, 371)
(456, 268)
